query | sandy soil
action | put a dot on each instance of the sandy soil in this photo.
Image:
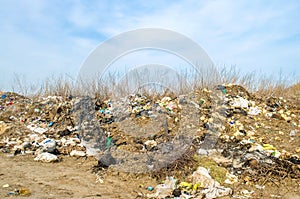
(71, 178)
(75, 178)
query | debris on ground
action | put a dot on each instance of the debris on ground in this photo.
(214, 143)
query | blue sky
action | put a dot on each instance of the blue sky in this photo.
(42, 38)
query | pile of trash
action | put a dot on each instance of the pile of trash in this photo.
(202, 185)
(202, 143)
(42, 127)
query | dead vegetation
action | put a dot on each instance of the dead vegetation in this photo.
(277, 85)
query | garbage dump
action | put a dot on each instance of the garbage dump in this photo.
(205, 144)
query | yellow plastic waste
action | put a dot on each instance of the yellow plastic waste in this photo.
(268, 147)
(24, 192)
(186, 185)
(196, 186)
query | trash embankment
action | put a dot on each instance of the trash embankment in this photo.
(202, 144)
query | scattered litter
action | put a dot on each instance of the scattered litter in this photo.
(51, 124)
(20, 192)
(150, 144)
(164, 190)
(5, 186)
(149, 188)
(254, 111)
(46, 157)
(247, 193)
(259, 187)
(48, 145)
(77, 153)
(37, 129)
(212, 189)
(239, 102)
(293, 133)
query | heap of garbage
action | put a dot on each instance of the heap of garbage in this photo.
(201, 144)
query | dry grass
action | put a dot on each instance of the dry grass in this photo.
(294, 90)
(261, 85)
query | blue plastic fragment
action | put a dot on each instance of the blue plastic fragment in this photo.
(11, 193)
(50, 124)
(46, 141)
(150, 188)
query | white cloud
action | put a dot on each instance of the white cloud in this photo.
(60, 34)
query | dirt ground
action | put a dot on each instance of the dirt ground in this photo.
(75, 178)
(71, 178)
